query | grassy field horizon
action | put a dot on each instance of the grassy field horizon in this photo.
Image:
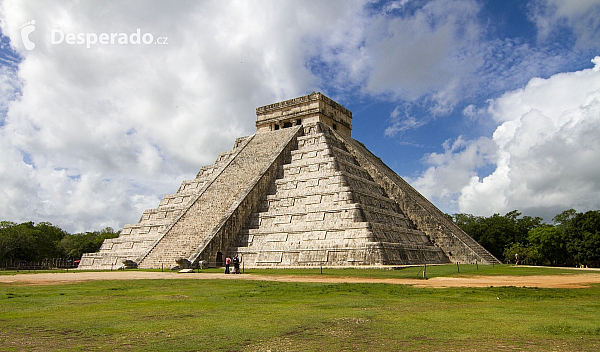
(239, 315)
(412, 271)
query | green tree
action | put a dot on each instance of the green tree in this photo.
(565, 217)
(31, 242)
(582, 234)
(19, 241)
(549, 243)
(527, 254)
(574, 239)
(497, 232)
(48, 241)
(74, 246)
(7, 243)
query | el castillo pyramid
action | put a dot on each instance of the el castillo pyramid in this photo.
(299, 192)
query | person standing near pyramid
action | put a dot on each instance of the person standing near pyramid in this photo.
(227, 264)
(236, 265)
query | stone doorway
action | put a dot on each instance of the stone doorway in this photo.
(219, 261)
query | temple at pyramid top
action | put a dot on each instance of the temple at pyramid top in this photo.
(307, 109)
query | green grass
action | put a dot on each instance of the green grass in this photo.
(408, 272)
(224, 315)
(412, 272)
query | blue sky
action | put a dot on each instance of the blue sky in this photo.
(483, 106)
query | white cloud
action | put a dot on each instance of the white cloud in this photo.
(582, 16)
(545, 152)
(106, 131)
(448, 173)
(402, 120)
(474, 113)
(425, 54)
(92, 136)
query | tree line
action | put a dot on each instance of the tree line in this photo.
(36, 242)
(572, 240)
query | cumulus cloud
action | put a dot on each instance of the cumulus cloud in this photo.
(545, 152)
(548, 147)
(448, 172)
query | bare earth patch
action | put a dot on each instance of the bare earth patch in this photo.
(542, 281)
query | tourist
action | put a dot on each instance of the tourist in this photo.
(236, 265)
(227, 263)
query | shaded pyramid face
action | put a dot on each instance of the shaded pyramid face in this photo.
(300, 192)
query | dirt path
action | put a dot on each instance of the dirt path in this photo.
(550, 281)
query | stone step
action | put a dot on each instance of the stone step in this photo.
(306, 187)
(314, 199)
(308, 257)
(351, 210)
(374, 200)
(342, 193)
(162, 216)
(138, 229)
(175, 199)
(175, 208)
(301, 225)
(311, 152)
(422, 212)
(318, 229)
(190, 187)
(322, 166)
(127, 239)
(366, 186)
(317, 152)
(301, 208)
(308, 164)
(310, 140)
(384, 216)
(206, 172)
(304, 238)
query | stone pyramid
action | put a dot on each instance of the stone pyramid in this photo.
(299, 192)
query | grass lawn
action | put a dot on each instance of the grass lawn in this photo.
(239, 315)
(408, 272)
(414, 272)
